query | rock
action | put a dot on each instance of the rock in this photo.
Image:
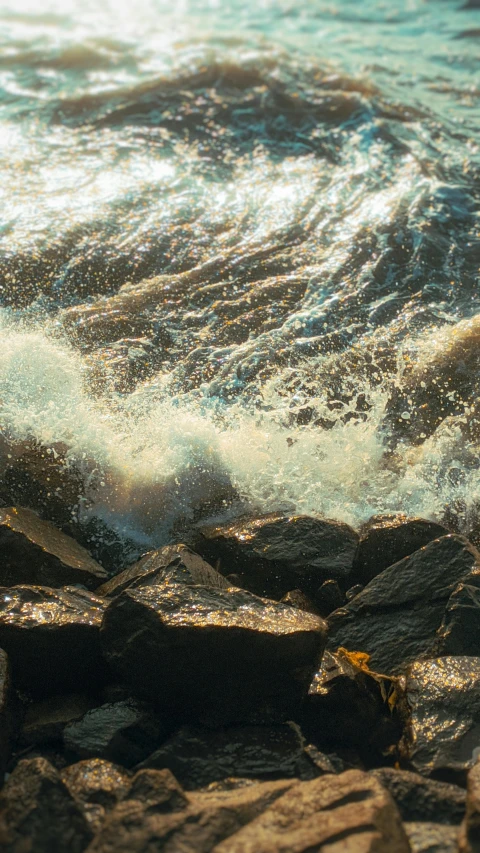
(432, 837)
(38, 814)
(420, 799)
(197, 757)
(329, 597)
(158, 790)
(459, 633)
(221, 655)
(441, 703)
(45, 720)
(276, 553)
(52, 637)
(97, 781)
(33, 551)
(5, 713)
(395, 618)
(469, 836)
(343, 691)
(350, 812)
(385, 540)
(172, 564)
(296, 598)
(353, 591)
(125, 732)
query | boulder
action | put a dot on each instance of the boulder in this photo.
(125, 732)
(396, 616)
(441, 704)
(276, 553)
(39, 814)
(198, 756)
(469, 836)
(97, 781)
(220, 655)
(5, 712)
(329, 597)
(45, 720)
(172, 564)
(459, 633)
(158, 790)
(387, 539)
(33, 551)
(52, 637)
(420, 799)
(296, 598)
(427, 837)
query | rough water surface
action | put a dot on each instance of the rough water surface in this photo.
(240, 257)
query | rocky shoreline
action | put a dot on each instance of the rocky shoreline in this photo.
(274, 683)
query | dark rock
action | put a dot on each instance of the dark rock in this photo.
(459, 633)
(125, 732)
(385, 540)
(158, 790)
(353, 591)
(350, 812)
(296, 598)
(33, 551)
(329, 597)
(5, 713)
(469, 836)
(395, 618)
(432, 837)
(441, 703)
(205, 653)
(276, 553)
(45, 720)
(38, 814)
(52, 637)
(341, 692)
(172, 564)
(199, 756)
(420, 799)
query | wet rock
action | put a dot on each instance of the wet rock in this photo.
(427, 837)
(469, 836)
(353, 591)
(198, 757)
(172, 564)
(395, 618)
(38, 813)
(329, 597)
(385, 540)
(5, 712)
(296, 598)
(420, 799)
(205, 653)
(441, 703)
(276, 553)
(125, 732)
(45, 720)
(33, 551)
(97, 781)
(343, 691)
(335, 813)
(459, 633)
(52, 637)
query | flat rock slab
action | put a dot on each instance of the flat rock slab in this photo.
(427, 837)
(442, 705)
(38, 814)
(276, 553)
(420, 799)
(172, 564)
(396, 616)
(52, 637)
(385, 540)
(221, 655)
(33, 551)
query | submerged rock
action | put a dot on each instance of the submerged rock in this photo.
(212, 654)
(459, 633)
(427, 837)
(385, 540)
(441, 702)
(33, 551)
(5, 711)
(276, 553)
(52, 637)
(39, 814)
(172, 564)
(396, 616)
(420, 799)
(469, 836)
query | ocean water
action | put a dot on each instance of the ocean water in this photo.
(240, 259)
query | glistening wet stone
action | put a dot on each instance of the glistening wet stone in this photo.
(52, 637)
(276, 553)
(212, 654)
(395, 617)
(421, 799)
(33, 551)
(459, 633)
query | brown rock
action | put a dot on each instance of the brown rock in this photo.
(425, 837)
(97, 781)
(421, 799)
(469, 837)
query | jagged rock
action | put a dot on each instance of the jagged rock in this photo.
(203, 653)
(469, 836)
(395, 618)
(45, 720)
(441, 703)
(296, 598)
(387, 539)
(172, 564)
(125, 732)
(427, 837)
(198, 757)
(420, 799)
(353, 591)
(33, 551)
(158, 790)
(341, 692)
(97, 781)
(52, 637)
(350, 812)
(276, 553)
(38, 813)
(5, 712)
(329, 597)
(459, 633)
